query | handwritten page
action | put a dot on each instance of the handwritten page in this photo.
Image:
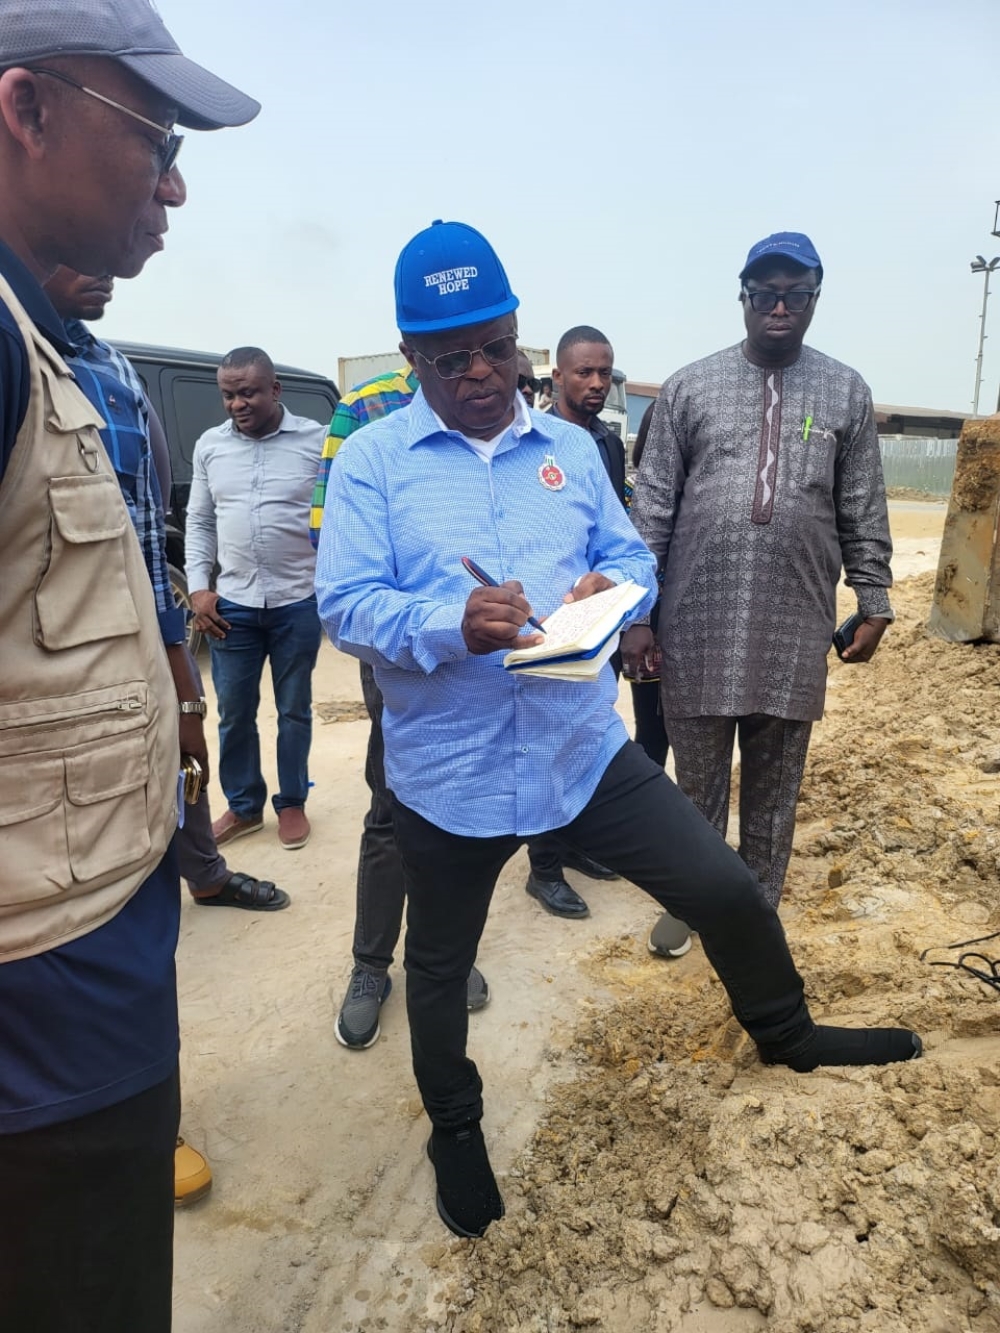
(580, 627)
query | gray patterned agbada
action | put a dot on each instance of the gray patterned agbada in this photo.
(756, 486)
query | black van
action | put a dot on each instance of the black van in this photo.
(181, 386)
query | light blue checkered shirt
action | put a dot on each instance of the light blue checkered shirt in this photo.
(469, 746)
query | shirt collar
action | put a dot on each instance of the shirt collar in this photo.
(595, 425)
(31, 295)
(425, 422)
(287, 423)
(79, 335)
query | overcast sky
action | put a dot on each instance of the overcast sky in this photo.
(622, 157)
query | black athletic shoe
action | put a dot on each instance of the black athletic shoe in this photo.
(850, 1046)
(468, 1199)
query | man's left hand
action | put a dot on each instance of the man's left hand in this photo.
(192, 738)
(587, 586)
(866, 640)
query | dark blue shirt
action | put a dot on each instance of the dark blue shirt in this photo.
(94, 1022)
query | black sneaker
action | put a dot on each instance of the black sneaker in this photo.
(669, 938)
(357, 1023)
(468, 1199)
(477, 992)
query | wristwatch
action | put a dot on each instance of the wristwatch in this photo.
(198, 706)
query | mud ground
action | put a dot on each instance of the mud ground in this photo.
(656, 1176)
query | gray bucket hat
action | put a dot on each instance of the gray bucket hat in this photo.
(131, 32)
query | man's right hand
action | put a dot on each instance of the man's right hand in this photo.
(494, 618)
(206, 618)
(638, 649)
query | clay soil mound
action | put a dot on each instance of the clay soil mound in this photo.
(676, 1184)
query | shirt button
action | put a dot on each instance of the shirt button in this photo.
(524, 749)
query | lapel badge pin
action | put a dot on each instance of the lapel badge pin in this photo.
(550, 474)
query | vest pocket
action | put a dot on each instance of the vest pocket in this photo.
(34, 857)
(106, 823)
(83, 594)
(76, 792)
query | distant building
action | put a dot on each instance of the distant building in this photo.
(927, 422)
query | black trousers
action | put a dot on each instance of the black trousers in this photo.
(650, 728)
(381, 890)
(637, 823)
(86, 1237)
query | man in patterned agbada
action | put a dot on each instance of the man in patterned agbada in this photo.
(760, 481)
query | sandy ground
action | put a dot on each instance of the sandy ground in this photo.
(655, 1175)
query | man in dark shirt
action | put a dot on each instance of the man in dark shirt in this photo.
(584, 364)
(88, 1056)
(584, 361)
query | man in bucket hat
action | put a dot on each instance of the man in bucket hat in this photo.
(478, 759)
(90, 92)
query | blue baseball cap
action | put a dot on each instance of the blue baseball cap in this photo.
(785, 245)
(449, 276)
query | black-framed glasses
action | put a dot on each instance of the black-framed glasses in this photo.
(453, 365)
(166, 151)
(794, 302)
(526, 382)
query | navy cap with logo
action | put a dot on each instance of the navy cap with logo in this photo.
(131, 32)
(449, 276)
(783, 245)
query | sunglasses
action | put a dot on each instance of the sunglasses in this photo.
(794, 302)
(166, 151)
(453, 365)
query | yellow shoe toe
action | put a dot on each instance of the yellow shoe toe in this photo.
(192, 1175)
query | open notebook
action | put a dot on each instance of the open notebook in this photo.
(580, 636)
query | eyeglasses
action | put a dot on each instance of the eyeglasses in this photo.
(526, 382)
(453, 365)
(166, 151)
(794, 302)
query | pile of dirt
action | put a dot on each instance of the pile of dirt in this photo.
(901, 774)
(676, 1183)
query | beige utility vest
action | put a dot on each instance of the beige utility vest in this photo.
(88, 710)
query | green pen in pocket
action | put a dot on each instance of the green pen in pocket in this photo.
(807, 426)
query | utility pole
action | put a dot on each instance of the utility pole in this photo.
(979, 265)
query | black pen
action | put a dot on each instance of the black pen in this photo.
(481, 576)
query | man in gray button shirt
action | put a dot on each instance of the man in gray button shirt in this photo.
(249, 510)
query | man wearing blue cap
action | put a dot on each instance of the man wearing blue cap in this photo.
(477, 759)
(90, 91)
(761, 478)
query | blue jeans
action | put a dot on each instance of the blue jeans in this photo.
(290, 636)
